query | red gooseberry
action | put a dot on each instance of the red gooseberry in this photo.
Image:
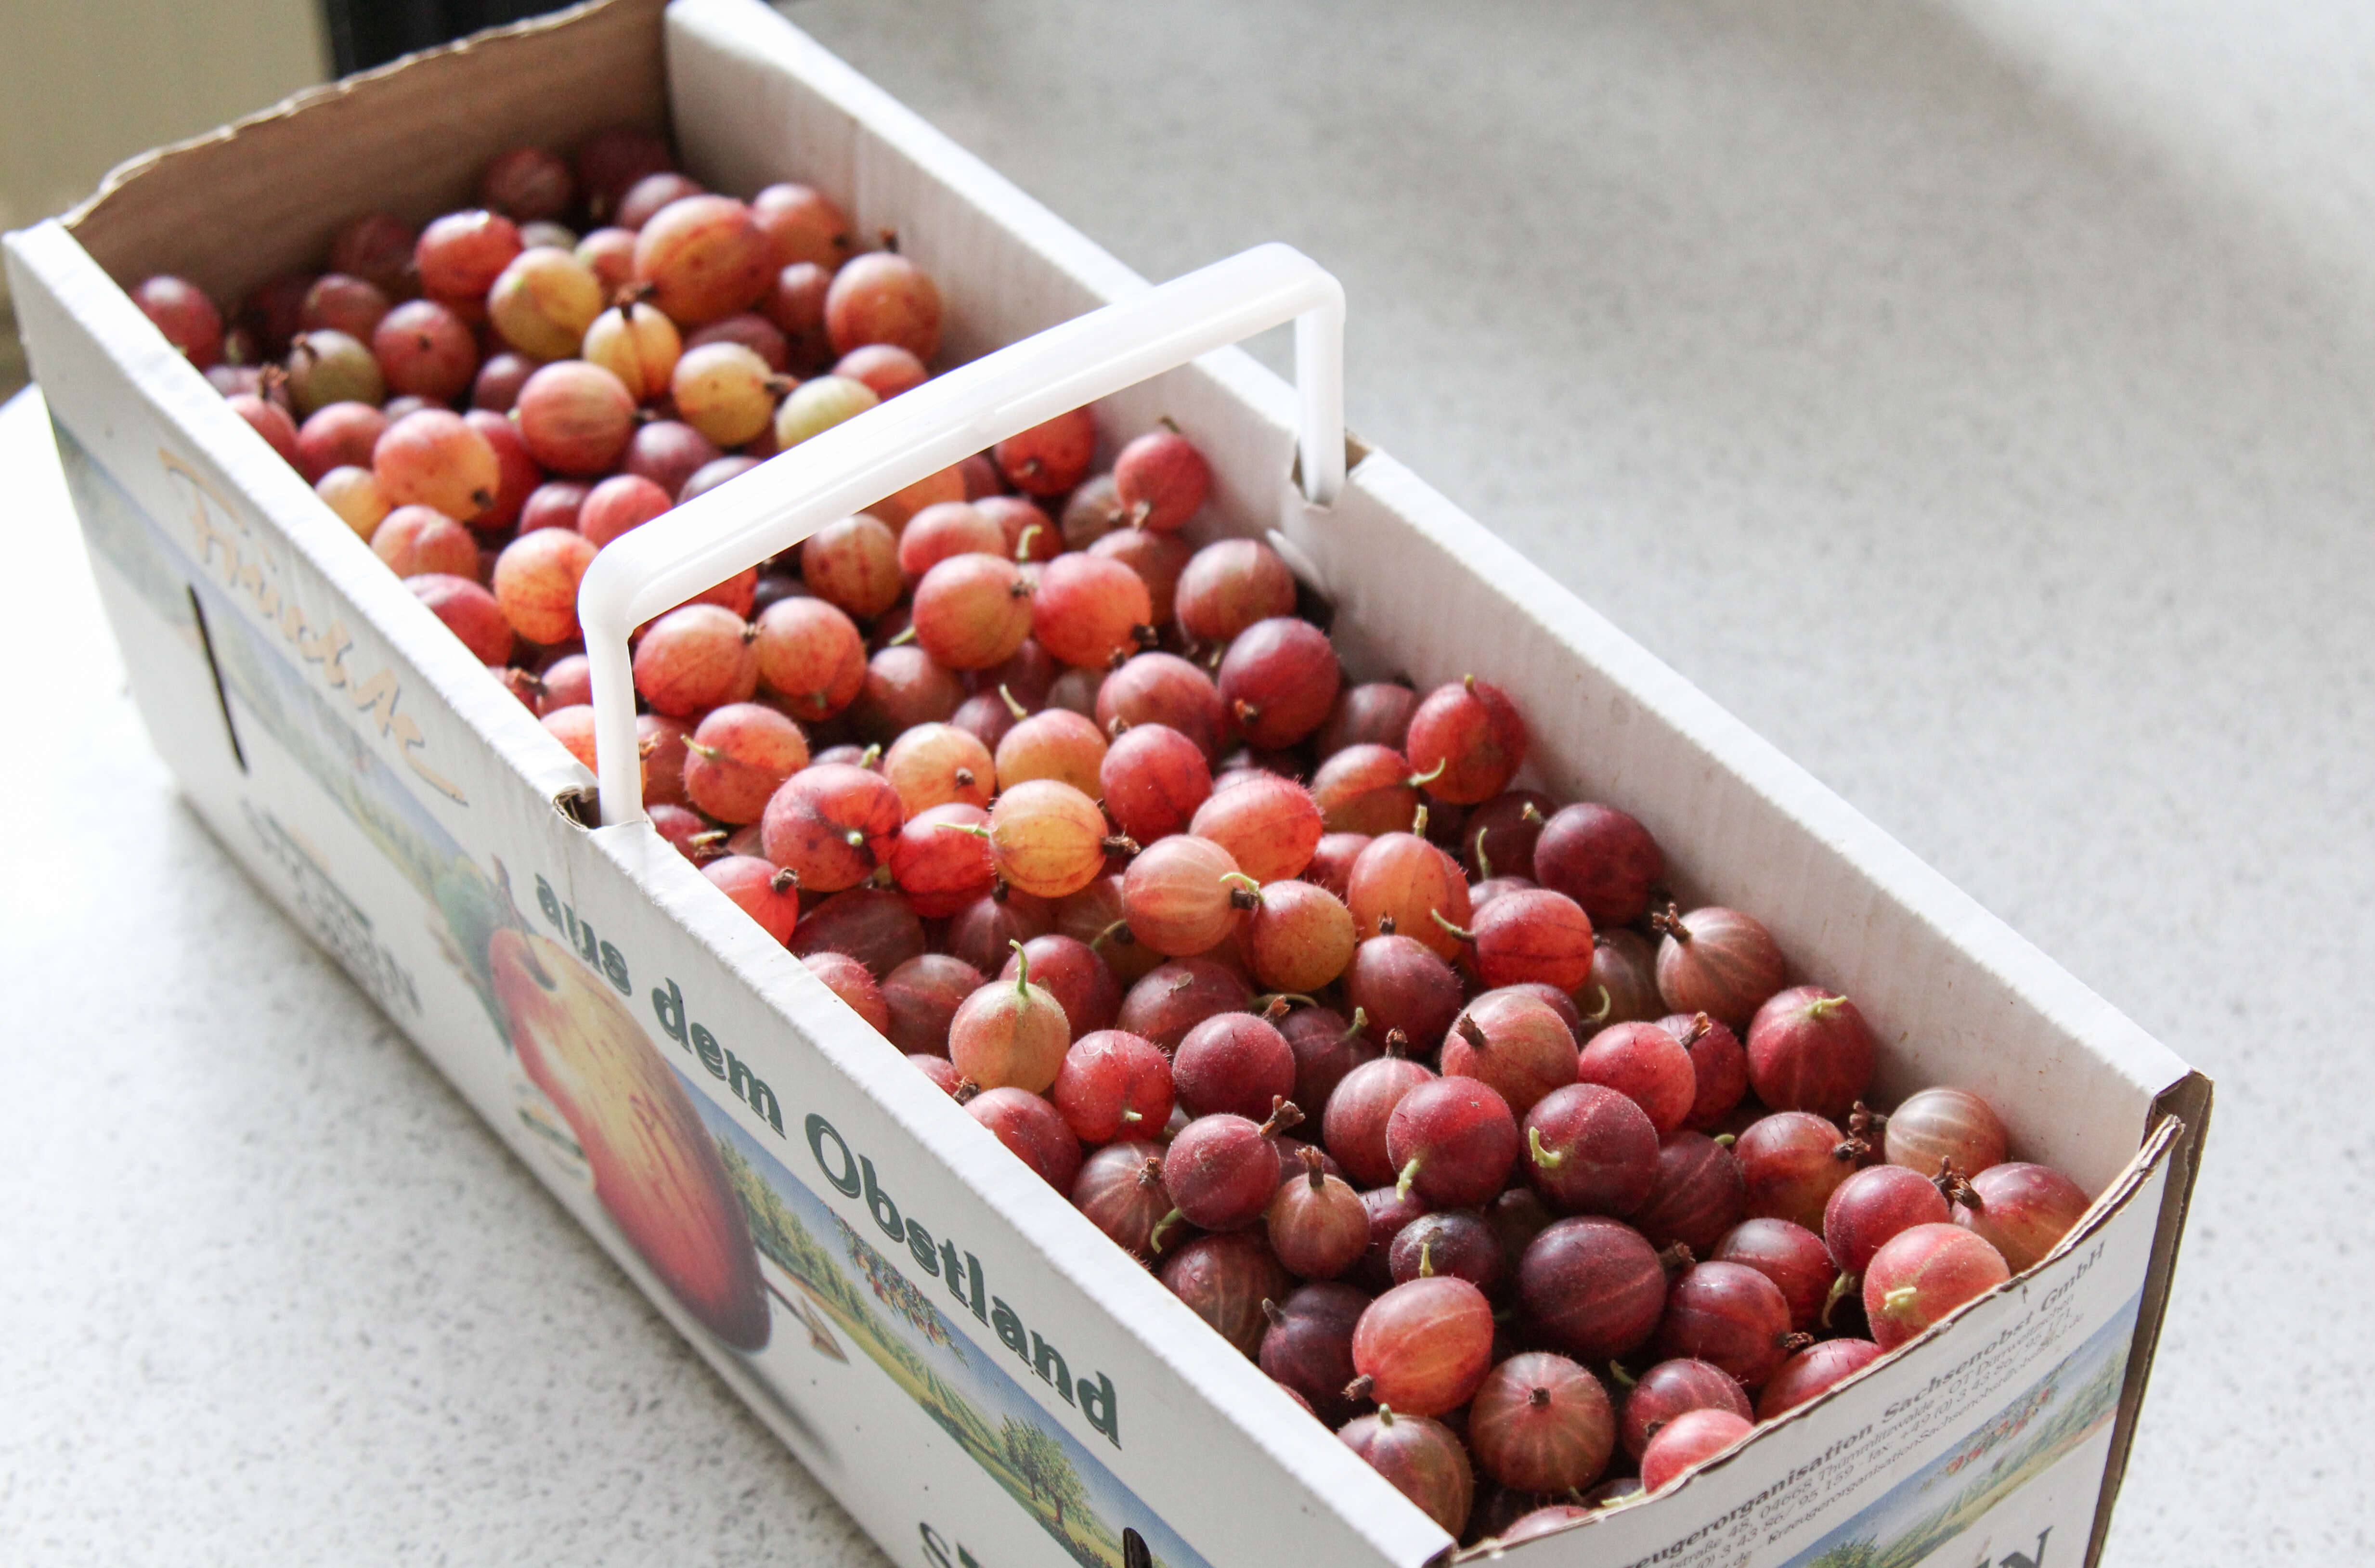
(2022, 1210)
(1421, 1459)
(1687, 1441)
(1224, 1279)
(1674, 1387)
(1812, 1373)
(1120, 1189)
(1921, 1275)
(1810, 1050)
(1029, 1127)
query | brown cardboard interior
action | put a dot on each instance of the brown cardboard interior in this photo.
(265, 194)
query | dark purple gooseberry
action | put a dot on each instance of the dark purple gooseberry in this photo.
(1032, 1129)
(1354, 1128)
(1813, 1372)
(1793, 1257)
(1455, 1242)
(1224, 1279)
(1316, 1223)
(1454, 1140)
(1423, 1460)
(1120, 1189)
(1591, 1151)
(1222, 1171)
(1388, 1211)
(1233, 1062)
(1732, 1317)
(1718, 1067)
(1541, 1423)
(1176, 995)
(1516, 1217)
(1498, 839)
(1326, 1048)
(1792, 1162)
(1592, 1288)
(1871, 1207)
(1699, 1193)
(1717, 961)
(1278, 680)
(1624, 983)
(873, 925)
(1377, 714)
(1602, 859)
(1308, 1346)
(1069, 970)
(1809, 1050)
(984, 931)
(1669, 1389)
(923, 995)
(1401, 983)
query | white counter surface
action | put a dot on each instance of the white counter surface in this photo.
(1977, 398)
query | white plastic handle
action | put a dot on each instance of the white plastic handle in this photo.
(855, 463)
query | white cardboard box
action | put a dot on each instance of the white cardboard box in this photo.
(358, 762)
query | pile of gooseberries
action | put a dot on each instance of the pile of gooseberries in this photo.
(1413, 1082)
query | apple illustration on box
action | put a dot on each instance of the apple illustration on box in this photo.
(656, 1169)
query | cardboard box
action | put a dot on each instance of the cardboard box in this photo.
(976, 1371)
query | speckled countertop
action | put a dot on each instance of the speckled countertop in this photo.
(1976, 397)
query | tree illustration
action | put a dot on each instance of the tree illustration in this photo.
(1850, 1554)
(1044, 1466)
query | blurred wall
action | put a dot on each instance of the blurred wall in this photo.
(86, 84)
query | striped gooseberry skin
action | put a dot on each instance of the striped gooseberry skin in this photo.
(1941, 1128)
(2022, 1210)
(1812, 1373)
(1541, 1423)
(1592, 1288)
(1686, 1442)
(1670, 1388)
(1424, 1347)
(1871, 1207)
(1731, 1316)
(1421, 1457)
(1923, 1274)
(1717, 961)
(1810, 1050)
(1792, 1162)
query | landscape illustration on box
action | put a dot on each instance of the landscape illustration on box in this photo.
(1922, 1514)
(735, 1239)
(839, 1281)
